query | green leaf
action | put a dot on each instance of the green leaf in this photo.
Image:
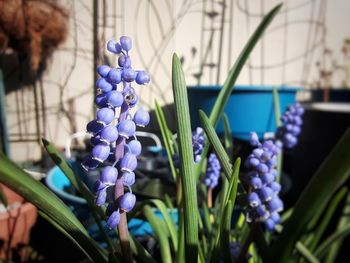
(188, 179)
(170, 224)
(326, 244)
(47, 202)
(228, 137)
(3, 198)
(215, 141)
(140, 252)
(306, 253)
(160, 232)
(327, 218)
(166, 134)
(318, 191)
(277, 107)
(81, 187)
(343, 221)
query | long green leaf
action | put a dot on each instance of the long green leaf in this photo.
(170, 224)
(228, 137)
(318, 191)
(160, 233)
(188, 179)
(215, 141)
(343, 221)
(166, 137)
(37, 194)
(327, 218)
(141, 253)
(306, 253)
(325, 246)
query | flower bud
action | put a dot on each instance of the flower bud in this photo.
(126, 128)
(114, 98)
(94, 127)
(101, 197)
(124, 61)
(103, 70)
(104, 85)
(115, 75)
(126, 43)
(109, 175)
(128, 74)
(253, 199)
(109, 134)
(128, 178)
(142, 77)
(113, 219)
(105, 116)
(113, 46)
(134, 147)
(127, 202)
(100, 152)
(128, 163)
(101, 100)
(141, 117)
(266, 194)
(89, 163)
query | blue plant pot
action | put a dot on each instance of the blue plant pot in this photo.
(249, 108)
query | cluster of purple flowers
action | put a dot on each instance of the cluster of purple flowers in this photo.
(263, 200)
(291, 125)
(198, 143)
(113, 131)
(213, 171)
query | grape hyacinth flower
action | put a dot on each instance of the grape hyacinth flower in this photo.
(113, 132)
(212, 176)
(291, 126)
(213, 171)
(198, 143)
(264, 204)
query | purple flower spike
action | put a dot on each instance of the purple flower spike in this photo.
(100, 152)
(104, 85)
(128, 178)
(141, 118)
(115, 98)
(115, 75)
(127, 202)
(113, 219)
(109, 134)
(126, 43)
(126, 128)
(105, 116)
(103, 70)
(109, 175)
(134, 147)
(142, 77)
(128, 163)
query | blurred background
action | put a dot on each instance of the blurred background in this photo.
(50, 49)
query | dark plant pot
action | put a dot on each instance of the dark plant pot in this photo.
(335, 95)
(249, 108)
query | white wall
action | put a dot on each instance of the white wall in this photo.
(159, 28)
